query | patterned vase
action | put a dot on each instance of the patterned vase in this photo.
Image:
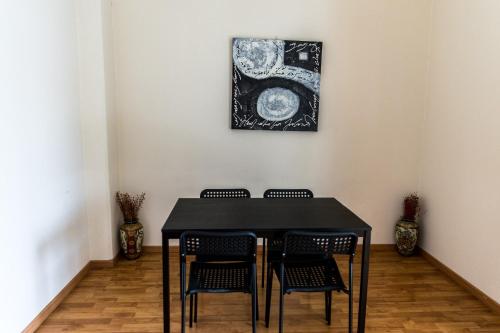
(131, 237)
(406, 237)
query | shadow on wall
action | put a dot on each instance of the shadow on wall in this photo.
(60, 255)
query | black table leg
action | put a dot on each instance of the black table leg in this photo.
(363, 292)
(166, 285)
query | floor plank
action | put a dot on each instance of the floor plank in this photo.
(406, 295)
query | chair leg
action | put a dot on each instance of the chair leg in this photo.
(326, 305)
(263, 260)
(254, 306)
(282, 295)
(351, 259)
(191, 310)
(180, 278)
(196, 307)
(269, 289)
(281, 309)
(350, 311)
(183, 300)
(256, 300)
(329, 310)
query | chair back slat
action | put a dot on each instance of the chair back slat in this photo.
(298, 243)
(288, 193)
(225, 193)
(228, 245)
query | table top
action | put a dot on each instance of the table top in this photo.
(263, 216)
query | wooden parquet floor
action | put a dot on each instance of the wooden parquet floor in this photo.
(405, 295)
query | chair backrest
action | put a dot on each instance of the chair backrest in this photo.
(325, 244)
(225, 193)
(236, 246)
(288, 193)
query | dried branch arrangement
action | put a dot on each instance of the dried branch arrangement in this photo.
(129, 205)
(411, 206)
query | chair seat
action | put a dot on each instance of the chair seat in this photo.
(220, 277)
(313, 275)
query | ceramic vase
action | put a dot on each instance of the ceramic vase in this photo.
(131, 237)
(406, 237)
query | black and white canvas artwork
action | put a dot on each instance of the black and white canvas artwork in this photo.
(275, 84)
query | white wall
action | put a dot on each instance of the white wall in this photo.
(169, 62)
(97, 116)
(109, 69)
(44, 230)
(461, 150)
(172, 71)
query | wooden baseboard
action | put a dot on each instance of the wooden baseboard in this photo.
(54, 303)
(104, 263)
(377, 248)
(488, 301)
(156, 248)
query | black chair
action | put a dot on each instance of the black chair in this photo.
(275, 246)
(307, 265)
(238, 193)
(288, 193)
(238, 274)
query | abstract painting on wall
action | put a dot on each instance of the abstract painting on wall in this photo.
(275, 84)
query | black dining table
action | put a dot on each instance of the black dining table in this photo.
(264, 217)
